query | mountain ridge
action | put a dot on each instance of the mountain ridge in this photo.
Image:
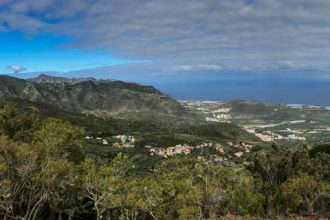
(44, 78)
(105, 98)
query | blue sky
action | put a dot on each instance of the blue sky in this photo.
(49, 53)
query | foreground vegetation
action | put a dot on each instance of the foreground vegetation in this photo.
(45, 174)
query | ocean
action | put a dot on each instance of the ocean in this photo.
(280, 91)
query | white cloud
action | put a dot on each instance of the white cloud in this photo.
(16, 68)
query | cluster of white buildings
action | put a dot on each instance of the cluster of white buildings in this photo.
(244, 146)
(219, 149)
(269, 136)
(171, 151)
(264, 137)
(222, 113)
(204, 107)
(223, 116)
(318, 130)
(239, 154)
(209, 144)
(178, 149)
(211, 119)
(187, 149)
(125, 141)
(295, 137)
(221, 110)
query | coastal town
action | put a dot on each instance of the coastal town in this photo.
(289, 123)
(269, 136)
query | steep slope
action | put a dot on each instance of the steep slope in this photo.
(106, 98)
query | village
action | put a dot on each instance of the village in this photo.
(184, 149)
(217, 115)
(216, 152)
(118, 141)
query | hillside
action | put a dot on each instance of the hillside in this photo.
(161, 133)
(104, 98)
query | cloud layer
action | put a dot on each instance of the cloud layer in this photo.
(187, 35)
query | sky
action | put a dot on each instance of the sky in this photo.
(167, 41)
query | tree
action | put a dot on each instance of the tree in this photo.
(20, 124)
(38, 177)
(305, 194)
(57, 138)
(180, 192)
(100, 182)
(244, 198)
(273, 167)
(214, 182)
(140, 197)
(285, 172)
